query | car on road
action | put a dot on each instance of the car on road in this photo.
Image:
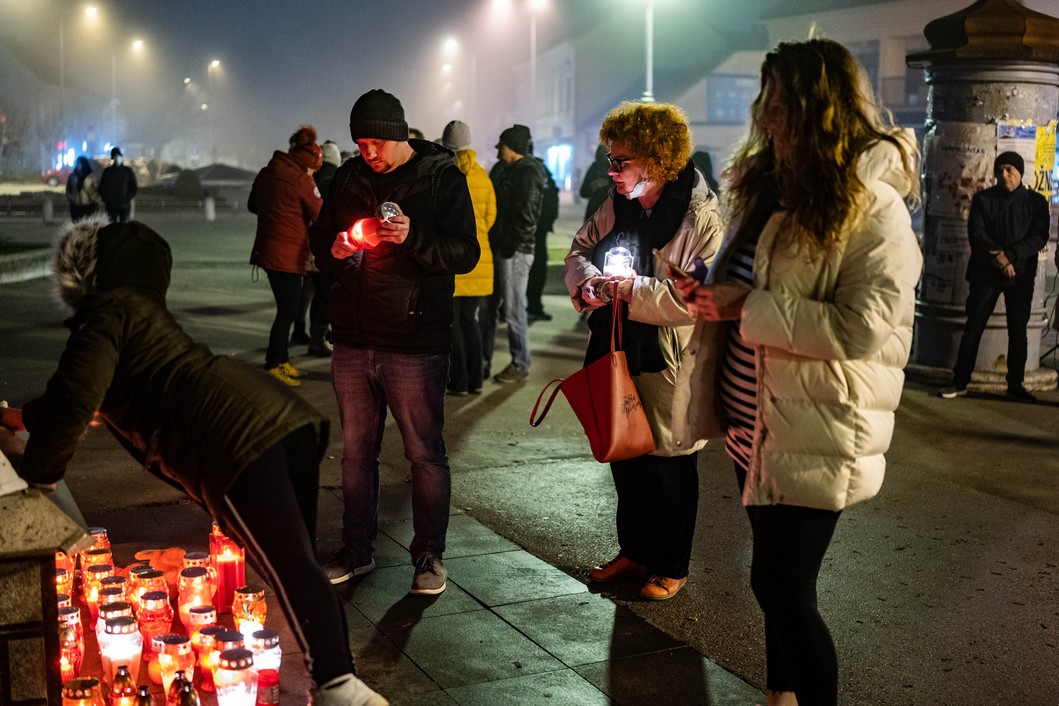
(55, 177)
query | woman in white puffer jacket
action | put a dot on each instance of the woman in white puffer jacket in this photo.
(807, 325)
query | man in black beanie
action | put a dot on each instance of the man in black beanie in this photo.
(391, 312)
(519, 190)
(1007, 227)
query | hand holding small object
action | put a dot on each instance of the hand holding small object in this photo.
(714, 302)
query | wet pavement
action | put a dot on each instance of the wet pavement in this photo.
(943, 590)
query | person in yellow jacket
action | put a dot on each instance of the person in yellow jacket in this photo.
(466, 362)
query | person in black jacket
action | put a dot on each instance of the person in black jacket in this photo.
(235, 440)
(1007, 227)
(519, 199)
(596, 183)
(538, 274)
(117, 188)
(391, 316)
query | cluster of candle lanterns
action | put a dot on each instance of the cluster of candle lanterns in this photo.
(131, 614)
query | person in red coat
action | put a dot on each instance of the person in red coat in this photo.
(286, 201)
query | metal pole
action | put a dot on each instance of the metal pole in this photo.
(114, 96)
(533, 72)
(649, 26)
(209, 109)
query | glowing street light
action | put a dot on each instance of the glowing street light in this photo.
(535, 7)
(210, 69)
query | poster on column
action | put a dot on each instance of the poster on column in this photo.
(957, 164)
(1044, 164)
(946, 239)
(1019, 136)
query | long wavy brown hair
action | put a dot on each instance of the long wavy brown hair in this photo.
(657, 134)
(831, 117)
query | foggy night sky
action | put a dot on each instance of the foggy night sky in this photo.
(287, 63)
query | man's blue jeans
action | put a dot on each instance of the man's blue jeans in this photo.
(413, 386)
(510, 277)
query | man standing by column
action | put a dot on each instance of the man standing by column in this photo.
(1007, 227)
(391, 314)
(519, 196)
(117, 188)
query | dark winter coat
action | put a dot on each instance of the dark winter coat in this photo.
(519, 199)
(286, 201)
(398, 297)
(196, 419)
(1013, 221)
(117, 186)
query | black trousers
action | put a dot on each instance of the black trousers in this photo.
(286, 290)
(789, 547)
(658, 498)
(271, 511)
(981, 300)
(538, 275)
(466, 365)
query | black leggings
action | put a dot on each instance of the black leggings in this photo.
(789, 546)
(271, 511)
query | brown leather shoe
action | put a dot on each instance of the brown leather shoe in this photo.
(661, 588)
(617, 568)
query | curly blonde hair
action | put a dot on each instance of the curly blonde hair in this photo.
(832, 117)
(657, 134)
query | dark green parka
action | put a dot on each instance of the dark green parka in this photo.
(194, 418)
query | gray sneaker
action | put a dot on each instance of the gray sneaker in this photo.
(429, 578)
(512, 373)
(340, 569)
(952, 392)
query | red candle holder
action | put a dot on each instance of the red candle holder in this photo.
(229, 561)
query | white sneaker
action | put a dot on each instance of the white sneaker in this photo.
(346, 690)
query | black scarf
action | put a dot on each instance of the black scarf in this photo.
(639, 232)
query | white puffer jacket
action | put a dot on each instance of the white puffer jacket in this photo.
(832, 338)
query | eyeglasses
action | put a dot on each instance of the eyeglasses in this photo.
(618, 163)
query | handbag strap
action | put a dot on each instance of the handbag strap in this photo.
(615, 325)
(548, 405)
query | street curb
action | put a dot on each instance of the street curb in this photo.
(22, 266)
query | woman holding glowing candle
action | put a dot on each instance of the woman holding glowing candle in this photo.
(237, 441)
(659, 202)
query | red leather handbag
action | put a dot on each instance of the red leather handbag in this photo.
(606, 403)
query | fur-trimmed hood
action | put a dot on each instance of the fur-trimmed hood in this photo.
(94, 256)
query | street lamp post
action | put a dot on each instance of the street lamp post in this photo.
(137, 45)
(649, 28)
(535, 6)
(210, 68)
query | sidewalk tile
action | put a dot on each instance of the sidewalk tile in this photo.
(384, 668)
(466, 537)
(382, 597)
(689, 678)
(468, 648)
(562, 688)
(510, 577)
(585, 628)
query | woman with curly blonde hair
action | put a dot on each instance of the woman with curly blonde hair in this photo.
(659, 202)
(807, 326)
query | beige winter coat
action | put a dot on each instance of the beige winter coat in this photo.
(655, 301)
(831, 338)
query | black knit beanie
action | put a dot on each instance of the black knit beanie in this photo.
(517, 137)
(1013, 159)
(378, 115)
